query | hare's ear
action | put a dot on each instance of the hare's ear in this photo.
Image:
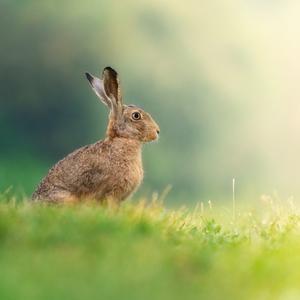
(112, 88)
(98, 87)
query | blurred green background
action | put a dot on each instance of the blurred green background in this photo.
(220, 77)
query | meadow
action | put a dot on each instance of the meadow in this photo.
(142, 250)
(221, 78)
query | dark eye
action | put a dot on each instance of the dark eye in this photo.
(136, 115)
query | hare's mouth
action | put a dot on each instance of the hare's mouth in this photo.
(152, 137)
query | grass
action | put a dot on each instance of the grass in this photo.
(142, 251)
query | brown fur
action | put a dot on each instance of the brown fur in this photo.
(110, 169)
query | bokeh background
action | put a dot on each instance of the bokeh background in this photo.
(220, 77)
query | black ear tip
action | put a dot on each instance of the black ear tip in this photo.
(110, 70)
(89, 77)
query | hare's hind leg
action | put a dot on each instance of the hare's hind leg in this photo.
(63, 196)
(57, 196)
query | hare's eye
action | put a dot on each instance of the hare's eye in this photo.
(136, 115)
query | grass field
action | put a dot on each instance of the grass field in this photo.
(145, 251)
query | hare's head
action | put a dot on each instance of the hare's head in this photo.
(128, 121)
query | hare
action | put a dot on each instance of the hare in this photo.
(110, 169)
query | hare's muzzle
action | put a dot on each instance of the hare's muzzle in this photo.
(155, 134)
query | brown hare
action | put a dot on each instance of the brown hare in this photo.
(110, 169)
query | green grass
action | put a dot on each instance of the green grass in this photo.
(145, 252)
